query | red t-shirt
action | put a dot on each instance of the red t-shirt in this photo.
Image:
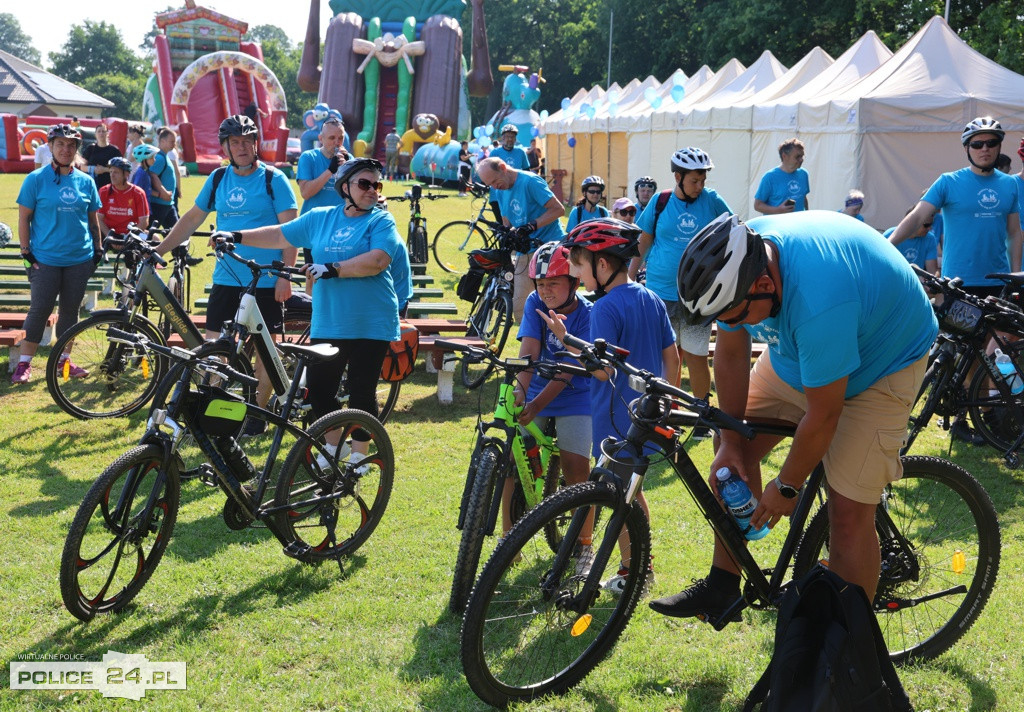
(120, 207)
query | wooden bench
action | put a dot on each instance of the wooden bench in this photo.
(11, 340)
(438, 326)
(444, 362)
(420, 309)
(92, 291)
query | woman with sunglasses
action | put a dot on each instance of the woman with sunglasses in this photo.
(355, 306)
(589, 206)
(623, 209)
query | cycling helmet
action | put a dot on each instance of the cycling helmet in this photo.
(350, 168)
(510, 128)
(144, 151)
(237, 125)
(605, 235)
(691, 159)
(982, 124)
(718, 267)
(64, 131)
(550, 260)
(590, 181)
(645, 182)
(118, 162)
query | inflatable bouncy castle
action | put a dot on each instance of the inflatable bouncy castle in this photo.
(203, 73)
(398, 65)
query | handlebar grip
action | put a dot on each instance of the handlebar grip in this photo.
(124, 336)
(728, 422)
(452, 346)
(238, 376)
(575, 342)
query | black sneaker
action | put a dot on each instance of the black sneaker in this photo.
(700, 599)
(963, 432)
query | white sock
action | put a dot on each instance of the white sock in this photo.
(24, 359)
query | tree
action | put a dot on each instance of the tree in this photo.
(92, 49)
(124, 90)
(268, 33)
(13, 40)
(283, 60)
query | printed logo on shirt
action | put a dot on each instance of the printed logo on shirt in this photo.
(516, 212)
(341, 243)
(554, 345)
(687, 224)
(911, 254)
(765, 333)
(236, 198)
(988, 199)
(68, 195)
(794, 187)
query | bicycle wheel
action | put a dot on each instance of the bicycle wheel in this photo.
(478, 505)
(116, 540)
(939, 571)
(335, 509)
(517, 642)
(419, 244)
(491, 323)
(121, 378)
(456, 240)
(930, 397)
(554, 481)
(997, 418)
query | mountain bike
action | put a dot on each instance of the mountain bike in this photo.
(458, 238)
(532, 626)
(968, 324)
(122, 378)
(416, 235)
(325, 505)
(502, 451)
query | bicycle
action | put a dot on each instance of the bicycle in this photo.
(416, 235)
(533, 627)
(967, 325)
(501, 451)
(121, 379)
(459, 237)
(325, 505)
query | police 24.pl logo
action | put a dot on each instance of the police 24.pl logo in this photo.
(988, 199)
(117, 675)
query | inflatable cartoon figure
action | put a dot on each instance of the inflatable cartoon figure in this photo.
(314, 120)
(427, 129)
(518, 95)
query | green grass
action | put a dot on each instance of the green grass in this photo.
(259, 630)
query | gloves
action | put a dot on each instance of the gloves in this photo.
(527, 229)
(221, 237)
(28, 258)
(97, 255)
(336, 161)
(321, 271)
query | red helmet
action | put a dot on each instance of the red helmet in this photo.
(550, 260)
(606, 235)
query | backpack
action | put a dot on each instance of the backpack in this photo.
(662, 201)
(601, 210)
(400, 358)
(218, 176)
(829, 653)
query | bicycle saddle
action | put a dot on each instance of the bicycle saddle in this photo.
(1014, 278)
(313, 354)
(489, 260)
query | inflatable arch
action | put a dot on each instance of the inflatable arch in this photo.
(229, 60)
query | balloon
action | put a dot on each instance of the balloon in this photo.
(572, 142)
(656, 103)
(651, 95)
(473, 147)
(565, 104)
(584, 108)
(591, 112)
(598, 104)
(613, 109)
(613, 96)
(544, 114)
(489, 129)
(534, 131)
(478, 131)
(678, 92)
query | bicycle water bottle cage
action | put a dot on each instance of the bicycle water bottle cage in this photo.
(487, 260)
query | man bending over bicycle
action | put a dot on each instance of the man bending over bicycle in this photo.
(848, 327)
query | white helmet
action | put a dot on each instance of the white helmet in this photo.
(691, 159)
(982, 124)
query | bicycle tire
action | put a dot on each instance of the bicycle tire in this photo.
(474, 521)
(998, 419)
(939, 508)
(517, 645)
(447, 245)
(554, 480)
(97, 533)
(122, 378)
(301, 478)
(491, 323)
(420, 246)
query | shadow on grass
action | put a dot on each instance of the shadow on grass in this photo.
(983, 697)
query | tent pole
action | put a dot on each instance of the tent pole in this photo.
(611, 26)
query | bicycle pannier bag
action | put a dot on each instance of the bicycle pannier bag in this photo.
(468, 288)
(400, 358)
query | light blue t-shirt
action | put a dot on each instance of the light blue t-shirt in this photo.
(401, 275)
(918, 250)
(515, 158)
(242, 203)
(311, 165)
(678, 223)
(1020, 199)
(164, 170)
(579, 214)
(526, 201)
(59, 232)
(575, 397)
(974, 211)
(633, 317)
(777, 186)
(350, 307)
(858, 216)
(851, 304)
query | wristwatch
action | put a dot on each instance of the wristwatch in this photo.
(787, 491)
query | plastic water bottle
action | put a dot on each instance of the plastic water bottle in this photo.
(1009, 372)
(740, 502)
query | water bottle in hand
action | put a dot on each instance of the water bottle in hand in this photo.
(740, 502)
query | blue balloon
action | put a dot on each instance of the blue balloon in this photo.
(478, 132)
(534, 131)
(543, 114)
(473, 147)
(584, 108)
(678, 92)
(591, 112)
(572, 142)
(656, 103)
(565, 103)
(489, 129)
(650, 94)
(613, 109)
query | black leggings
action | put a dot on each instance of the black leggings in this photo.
(364, 358)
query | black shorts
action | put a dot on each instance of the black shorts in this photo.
(223, 305)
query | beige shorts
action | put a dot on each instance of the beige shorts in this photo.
(864, 454)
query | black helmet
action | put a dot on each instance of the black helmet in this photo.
(645, 182)
(354, 165)
(64, 131)
(718, 267)
(237, 125)
(119, 162)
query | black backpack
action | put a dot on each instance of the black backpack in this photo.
(829, 653)
(601, 210)
(659, 206)
(218, 176)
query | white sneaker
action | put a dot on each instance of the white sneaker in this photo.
(324, 464)
(584, 560)
(617, 583)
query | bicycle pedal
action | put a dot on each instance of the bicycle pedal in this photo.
(298, 551)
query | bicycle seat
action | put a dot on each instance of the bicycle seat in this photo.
(1014, 278)
(313, 354)
(489, 260)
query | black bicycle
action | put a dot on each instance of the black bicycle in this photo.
(416, 235)
(330, 493)
(460, 237)
(535, 624)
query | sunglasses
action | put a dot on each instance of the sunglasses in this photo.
(987, 143)
(366, 184)
(627, 211)
(594, 192)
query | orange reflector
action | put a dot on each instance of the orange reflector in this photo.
(581, 625)
(145, 366)
(65, 371)
(959, 562)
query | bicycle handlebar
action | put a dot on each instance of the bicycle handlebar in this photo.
(135, 239)
(276, 268)
(547, 369)
(124, 337)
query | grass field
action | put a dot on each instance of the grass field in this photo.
(258, 630)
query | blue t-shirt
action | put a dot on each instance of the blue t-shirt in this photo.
(401, 275)
(777, 186)
(350, 307)
(918, 250)
(575, 397)
(974, 210)
(164, 170)
(858, 216)
(579, 213)
(242, 203)
(141, 178)
(678, 223)
(851, 304)
(59, 231)
(526, 201)
(515, 157)
(1020, 199)
(311, 165)
(633, 317)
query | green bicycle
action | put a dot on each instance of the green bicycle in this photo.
(504, 449)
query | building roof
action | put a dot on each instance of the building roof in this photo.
(24, 82)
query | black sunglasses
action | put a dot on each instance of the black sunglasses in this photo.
(594, 191)
(366, 184)
(627, 211)
(987, 143)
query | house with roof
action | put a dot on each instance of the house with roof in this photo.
(28, 90)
